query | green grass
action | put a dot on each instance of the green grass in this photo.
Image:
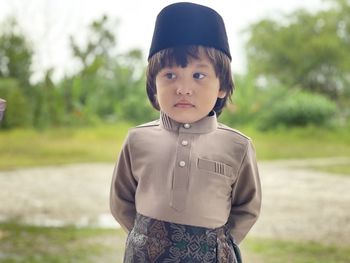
(339, 169)
(300, 143)
(276, 251)
(28, 147)
(29, 244)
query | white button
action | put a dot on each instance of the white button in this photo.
(187, 126)
(184, 142)
(182, 163)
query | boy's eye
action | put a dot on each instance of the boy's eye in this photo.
(170, 75)
(198, 75)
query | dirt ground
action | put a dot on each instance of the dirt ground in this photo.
(298, 203)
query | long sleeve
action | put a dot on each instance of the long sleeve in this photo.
(123, 187)
(246, 196)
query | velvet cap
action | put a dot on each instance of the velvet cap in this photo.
(183, 24)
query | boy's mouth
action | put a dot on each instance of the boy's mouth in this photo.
(184, 104)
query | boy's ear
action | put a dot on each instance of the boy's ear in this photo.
(222, 94)
(156, 100)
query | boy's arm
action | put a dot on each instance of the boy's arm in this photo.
(123, 188)
(246, 196)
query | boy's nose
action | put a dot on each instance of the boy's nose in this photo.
(183, 89)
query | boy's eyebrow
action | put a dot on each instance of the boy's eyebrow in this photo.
(197, 65)
(202, 65)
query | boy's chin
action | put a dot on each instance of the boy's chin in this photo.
(185, 117)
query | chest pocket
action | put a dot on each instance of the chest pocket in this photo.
(216, 167)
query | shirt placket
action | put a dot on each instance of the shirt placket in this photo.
(182, 169)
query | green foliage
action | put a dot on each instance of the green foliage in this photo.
(135, 106)
(277, 106)
(297, 108)
(109, 86)
(246, 102)
(99, 45)
(137, 109)
(86, 92)
(308, 50)
(18, 110)
(48, 104)
(15, 53)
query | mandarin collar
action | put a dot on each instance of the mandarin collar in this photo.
(205, 125)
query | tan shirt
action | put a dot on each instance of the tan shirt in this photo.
(201, 174)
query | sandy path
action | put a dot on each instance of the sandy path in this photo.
(298, 203)
(303, 204)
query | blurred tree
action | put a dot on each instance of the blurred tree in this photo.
(48, 103)
(94, 57)
(308, 50)
(18, 112)
(15, 62)
(291, 108)
(15, 53)
(108, 85)
(246, 101)
(99, 48)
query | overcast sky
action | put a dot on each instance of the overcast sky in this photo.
(48, 23)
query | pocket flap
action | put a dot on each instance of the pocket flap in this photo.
(215, 167)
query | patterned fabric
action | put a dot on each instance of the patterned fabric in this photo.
(155, 241)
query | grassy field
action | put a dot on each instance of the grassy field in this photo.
(28, 244)
(310, 142)
(28, 147)
(340, 169)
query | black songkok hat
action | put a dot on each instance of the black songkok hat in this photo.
(184, 23)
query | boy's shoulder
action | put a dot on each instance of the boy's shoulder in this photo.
(144, 129)
(233, 132)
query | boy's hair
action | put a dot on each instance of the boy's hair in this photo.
(180, 56)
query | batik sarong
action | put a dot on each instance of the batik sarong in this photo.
(155, 241)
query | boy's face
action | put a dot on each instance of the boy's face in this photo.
(188, 94)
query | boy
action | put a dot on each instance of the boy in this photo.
(186, 188)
